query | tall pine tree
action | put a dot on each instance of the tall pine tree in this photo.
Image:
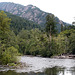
(50, 27)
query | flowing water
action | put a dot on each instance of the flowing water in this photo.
(42, 66)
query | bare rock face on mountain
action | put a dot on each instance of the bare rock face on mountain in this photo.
(29, 12)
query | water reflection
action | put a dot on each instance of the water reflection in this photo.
(60, 71)
(48, 71)
(53, 71)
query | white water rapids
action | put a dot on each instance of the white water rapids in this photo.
(39, 64)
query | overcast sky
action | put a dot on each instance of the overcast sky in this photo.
(63, 9)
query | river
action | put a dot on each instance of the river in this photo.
(42, 66)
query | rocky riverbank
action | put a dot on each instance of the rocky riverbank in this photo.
(13, 66)
(64, 57)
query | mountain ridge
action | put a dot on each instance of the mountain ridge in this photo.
(29, 12)
(19, 23)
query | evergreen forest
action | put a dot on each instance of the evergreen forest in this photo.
(19, 36)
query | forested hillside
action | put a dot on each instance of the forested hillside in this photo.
(17, 23)
(30, 12)
(45, 43)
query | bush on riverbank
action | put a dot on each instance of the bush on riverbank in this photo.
(8, 47)
(9, 55)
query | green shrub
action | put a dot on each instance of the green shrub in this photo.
(9, 55)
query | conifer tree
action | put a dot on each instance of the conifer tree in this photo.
(50, 26)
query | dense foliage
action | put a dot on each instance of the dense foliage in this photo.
(33, 41)
(7, 51)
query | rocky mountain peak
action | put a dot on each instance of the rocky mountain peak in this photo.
(29, 12)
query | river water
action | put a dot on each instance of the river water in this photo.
(42, 66)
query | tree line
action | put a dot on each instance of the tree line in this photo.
(45, 43)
